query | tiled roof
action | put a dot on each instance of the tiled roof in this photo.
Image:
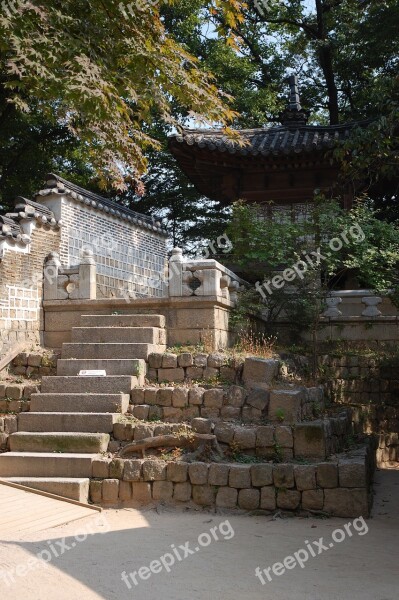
(271, 141)
(60, 186)
(10, 227)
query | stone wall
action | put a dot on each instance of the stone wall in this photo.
(316, 439)
(129, 248)
(21, 281)
(340, 487)
(370, 385)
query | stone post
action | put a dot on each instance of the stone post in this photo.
(176, 273)
(88, 276)
(51, 270)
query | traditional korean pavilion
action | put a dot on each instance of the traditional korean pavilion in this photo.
(280, 166)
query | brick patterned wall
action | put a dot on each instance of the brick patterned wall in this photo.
(130, 259)
(21, 283)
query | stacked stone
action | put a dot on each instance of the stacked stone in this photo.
(339, 487)
(8, 424)
(15, 397)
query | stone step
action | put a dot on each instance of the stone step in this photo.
(82, 403)
(46, 464)
(139, 335)
(78, 421)
(122, 321)
(114, 366)
(70, 442)
(66, 487)
(112, 384)
(110, 350)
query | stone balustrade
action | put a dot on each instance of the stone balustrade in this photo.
(73, 283)
(201, 278)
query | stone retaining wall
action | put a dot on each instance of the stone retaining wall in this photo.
(314, 439)
(181, 403)
(340, 487)
(371, 388)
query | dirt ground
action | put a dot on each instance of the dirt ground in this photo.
(358, 567)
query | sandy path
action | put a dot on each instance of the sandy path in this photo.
(361, 567)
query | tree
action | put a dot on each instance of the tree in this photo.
(100, 71)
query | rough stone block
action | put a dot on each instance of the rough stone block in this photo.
(141, 411)
(172, 415)
(194, 373)
(218, 474)
(154, 470)
(201, 425)
(214, 398)
(110, 491)
(283, 476)
(265, 436)
(262, 475)
(230, 413)
(259, 372)
(164, 396)
(327, 475)
(34, 360)
(137, 396)
(182, 492)
(177, 472)
(240, 476)
(198, 473)
(162, 490)
(142, 431)
(268, 498)
(141, 492)
(96, 491)
(216, 360)
(14, 392)
(309, 440)
(226, 497)
(132, 470)
(312, 499)
(288, 499)
(185, 360)
(210, 373)
(200, 360)
(196, 396)
(191, 412)
(284, 437)
(169, 361)
(248, 499)
(116, 467)
(204, 495)
(285, 405)
(235, 396)
(171, 375)
(150, 396)
(305, 477)
(155, 360)
(125, 491)
(180, 397)
(352, 473)
(346, 502)
(244, 437)
(258, 398)
(224, 432)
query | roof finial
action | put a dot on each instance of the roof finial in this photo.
(294, 93)
(294, 115)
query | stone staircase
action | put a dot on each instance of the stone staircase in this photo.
(70, 421)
